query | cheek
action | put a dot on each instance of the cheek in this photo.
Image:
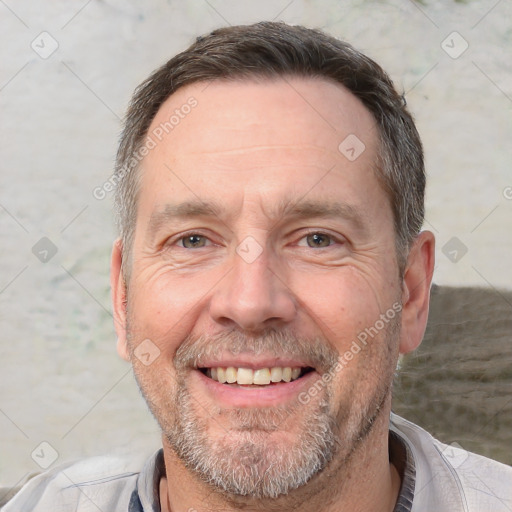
(341, 302)
(165, 307)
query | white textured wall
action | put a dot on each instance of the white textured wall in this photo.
(61, 381)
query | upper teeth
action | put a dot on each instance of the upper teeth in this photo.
(261, 376)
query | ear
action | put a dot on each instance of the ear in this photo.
(118, 288)
(416, 291)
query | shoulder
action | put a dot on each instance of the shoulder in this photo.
(106, 482)
(451, 478)
(485, 484)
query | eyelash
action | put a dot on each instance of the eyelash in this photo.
(188, 234)
(334, 239)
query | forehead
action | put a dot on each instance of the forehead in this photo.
(263, 136)
(287, 110)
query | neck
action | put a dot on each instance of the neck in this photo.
(367, 481)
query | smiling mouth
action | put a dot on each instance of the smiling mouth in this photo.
(247, 377)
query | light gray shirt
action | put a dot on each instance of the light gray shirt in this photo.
(435, 478)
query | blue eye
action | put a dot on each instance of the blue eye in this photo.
(193, 241)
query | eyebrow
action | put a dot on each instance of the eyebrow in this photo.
(285, 209)
(185, 210)
(314, 209)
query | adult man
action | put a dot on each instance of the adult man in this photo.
(270, 270)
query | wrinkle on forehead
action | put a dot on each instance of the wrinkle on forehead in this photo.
(257, 148)
(230, 113)
(257, 157)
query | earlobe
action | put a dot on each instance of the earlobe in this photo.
(416, 291)
(122, 349)
(118, 289)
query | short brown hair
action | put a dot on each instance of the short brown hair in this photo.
(270, 50)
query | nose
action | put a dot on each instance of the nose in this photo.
(252, 297)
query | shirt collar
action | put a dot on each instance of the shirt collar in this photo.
(148, 484)
(400, 455)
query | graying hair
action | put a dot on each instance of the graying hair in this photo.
(273, 50)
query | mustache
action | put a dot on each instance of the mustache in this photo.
(316, 351)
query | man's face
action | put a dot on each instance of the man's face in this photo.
(259, 244)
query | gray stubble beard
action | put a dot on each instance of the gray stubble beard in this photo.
(246, 461)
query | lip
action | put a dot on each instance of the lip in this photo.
(231, 396)
(253, 364)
